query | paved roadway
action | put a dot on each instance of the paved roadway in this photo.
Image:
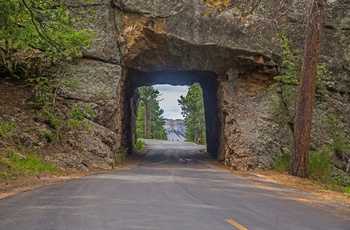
(172, 189)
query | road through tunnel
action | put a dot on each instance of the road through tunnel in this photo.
(208, 82)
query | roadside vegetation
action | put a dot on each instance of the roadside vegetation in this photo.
(34, 36)
(319, 161)
(14, 164)
(140, 144)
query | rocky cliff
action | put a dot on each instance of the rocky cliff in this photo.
(234, 61)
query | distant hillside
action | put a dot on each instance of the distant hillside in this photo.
(175, 129)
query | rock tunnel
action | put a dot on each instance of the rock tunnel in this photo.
(141, 43)
(234, 80)
(209, 84)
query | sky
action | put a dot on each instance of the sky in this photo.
(171, 94)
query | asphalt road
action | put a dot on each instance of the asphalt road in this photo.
(173, 188)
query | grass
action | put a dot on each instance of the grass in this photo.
(347, 190)
(318, 170)
(282, 163)
(48, 135)
(120, 157)
(15, 164)
(320, 165)
(140, 144)
(6, 128)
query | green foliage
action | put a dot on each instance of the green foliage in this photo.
(192, 106)
(49, 136)
(339, 143)
(90, 111)
(6, 128)
(78, 118)
(15, 164)
(43, 92)
(342, 179)
(53, 120)
(319, 165)
(72, 84)
(347, 190)
(45, 25)
(103, 96)
(282, 162)
(140, 144)
(120, 157)
(150, 122)
(287, 84)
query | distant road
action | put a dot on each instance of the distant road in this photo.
(172, 189)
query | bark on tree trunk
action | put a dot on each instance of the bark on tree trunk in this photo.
(303, 117)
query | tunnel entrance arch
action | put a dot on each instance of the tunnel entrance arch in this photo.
(208, 82)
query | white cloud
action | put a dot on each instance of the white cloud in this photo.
(170, 94)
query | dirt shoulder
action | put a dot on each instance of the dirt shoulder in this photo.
(22, 184)
(303, 190)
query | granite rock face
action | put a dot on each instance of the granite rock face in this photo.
(175, 129)
(152, 37)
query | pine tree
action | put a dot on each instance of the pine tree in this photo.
(150, 122)
(303, 117)
(193, 110)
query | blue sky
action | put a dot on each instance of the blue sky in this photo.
(171, 94)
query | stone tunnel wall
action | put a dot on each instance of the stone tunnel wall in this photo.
(175, 35)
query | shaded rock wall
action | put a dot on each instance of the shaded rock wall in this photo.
(175, 36)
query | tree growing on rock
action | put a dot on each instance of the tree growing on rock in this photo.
(304, 108)
(303, 116)
(45, 26)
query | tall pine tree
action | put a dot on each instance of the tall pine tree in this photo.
(193, 110)
(150, 122)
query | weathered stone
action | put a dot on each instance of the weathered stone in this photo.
(150, 37)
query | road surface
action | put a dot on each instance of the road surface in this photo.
(171, 189)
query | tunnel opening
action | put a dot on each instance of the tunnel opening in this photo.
(209, 84)
(160, 115)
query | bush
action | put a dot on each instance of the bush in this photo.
(48, 135)
(347, 190)
(282, 163)
(319, 165)
(120, 158)
(140, 144)
(6, 128)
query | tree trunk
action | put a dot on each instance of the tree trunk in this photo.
(303, 117)
(145, 121)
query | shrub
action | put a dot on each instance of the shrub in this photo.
(48, 135)
(120, 157)
(347, 190)
(140, 144)
(282, 162)
(319, 165)
(6, 128)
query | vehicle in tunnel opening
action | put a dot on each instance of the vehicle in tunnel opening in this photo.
(208, 83)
